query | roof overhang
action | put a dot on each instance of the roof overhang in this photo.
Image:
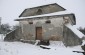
(56, 14)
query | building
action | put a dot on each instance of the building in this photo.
(46, 22)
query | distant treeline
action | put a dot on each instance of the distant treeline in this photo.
(82, 30)
(5, 28)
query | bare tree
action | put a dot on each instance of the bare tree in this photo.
(5, 28)
(82, 30)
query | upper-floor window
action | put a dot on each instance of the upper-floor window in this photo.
(39, 12)
(66, 19)
(30, 22)
(48, 21)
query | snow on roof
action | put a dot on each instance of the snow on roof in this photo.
(45, 15)
(76, 31)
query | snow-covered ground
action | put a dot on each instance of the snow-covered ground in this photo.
(19, 48)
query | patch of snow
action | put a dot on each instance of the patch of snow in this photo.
(83, 42)
(37, 41)
(77, 32)
(56, 44)
(2, 36)
(11, 31)
(19, 48)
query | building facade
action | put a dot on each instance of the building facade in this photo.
(46, 23)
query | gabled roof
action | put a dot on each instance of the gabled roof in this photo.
(55, 14)
(55, 7)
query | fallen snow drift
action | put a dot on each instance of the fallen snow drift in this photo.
(18, 48)
(77, 32)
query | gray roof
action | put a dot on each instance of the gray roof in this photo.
(55, 7)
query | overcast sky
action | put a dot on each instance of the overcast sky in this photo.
(11, 9)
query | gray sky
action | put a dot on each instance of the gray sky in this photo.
(11, 9)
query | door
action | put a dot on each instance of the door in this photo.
(39, 33)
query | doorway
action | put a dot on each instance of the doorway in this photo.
(38, 33)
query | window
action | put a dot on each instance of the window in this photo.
(66, 19)
(48, 21)
(30, 22)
